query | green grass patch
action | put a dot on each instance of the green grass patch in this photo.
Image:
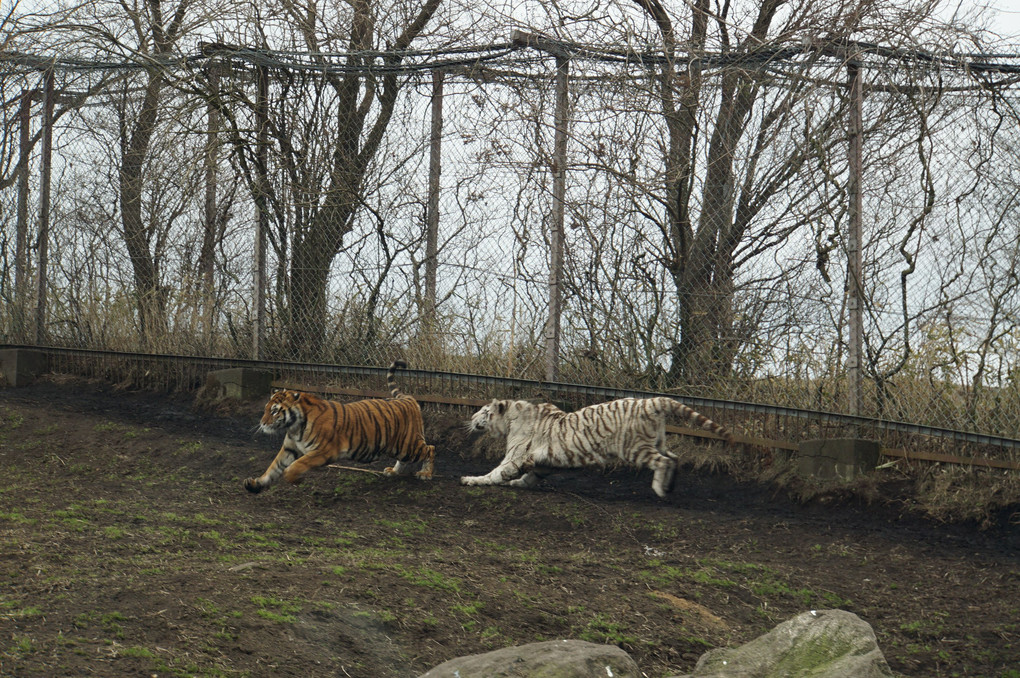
(216, 538)
(468, 609)
(16, 517)
(189, 446)
(136, 651)
(260, 540)
(10, 609)
(930, 627)
(10, 419)
(276, 610)
(600, 629)
(22, 645)
(111, 623)
(405, 527)
(113, 532)
(428, 578)
(73, 518)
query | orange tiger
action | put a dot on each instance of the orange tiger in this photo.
(320, 431)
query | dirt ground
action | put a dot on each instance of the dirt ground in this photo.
(129, 548)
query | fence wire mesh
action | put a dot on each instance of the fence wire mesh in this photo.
(251, 204)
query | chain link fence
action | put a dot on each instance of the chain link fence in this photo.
(251, 204)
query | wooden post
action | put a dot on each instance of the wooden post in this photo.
(44, 208)
(261, 209)
(432, 208)
(20, 315)
(552, 338)
(855, 240)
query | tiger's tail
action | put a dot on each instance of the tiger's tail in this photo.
(395, 391)
(700, 420)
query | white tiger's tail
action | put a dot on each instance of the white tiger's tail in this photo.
(699, 420)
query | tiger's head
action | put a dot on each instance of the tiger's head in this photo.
(496, 417)
(283, 410)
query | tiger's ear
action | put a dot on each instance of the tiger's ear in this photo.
(500, 406)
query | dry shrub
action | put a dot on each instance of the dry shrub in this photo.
(865, 489)
(711, 457)
(949, 494)
(955, 494)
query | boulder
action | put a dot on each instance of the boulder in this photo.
(552, 659)
(816, 644)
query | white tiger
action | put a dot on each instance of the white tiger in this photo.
(540, 436)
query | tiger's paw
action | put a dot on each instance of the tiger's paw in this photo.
(424, 475)
(469, 480)
(252, 485)
(389, 471)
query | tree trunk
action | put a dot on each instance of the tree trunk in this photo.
(151, 299)
(322, 239)
(702, 260)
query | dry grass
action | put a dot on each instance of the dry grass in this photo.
(945, 493)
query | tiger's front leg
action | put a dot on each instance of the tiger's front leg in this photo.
(296, 471)
(507, 470)
(283, 459)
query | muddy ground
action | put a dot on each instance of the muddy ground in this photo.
(129, 548)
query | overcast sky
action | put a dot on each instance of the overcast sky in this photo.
(1007, 20)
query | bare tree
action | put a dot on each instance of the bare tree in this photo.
(157, 36)
(720, 198)
(326, 164)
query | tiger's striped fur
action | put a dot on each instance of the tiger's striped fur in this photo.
(320, 431)
(540, 436)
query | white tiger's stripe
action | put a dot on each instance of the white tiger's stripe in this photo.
(629, 430)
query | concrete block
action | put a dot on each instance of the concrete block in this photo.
(20, 366)
(240, 383)
(837, 458)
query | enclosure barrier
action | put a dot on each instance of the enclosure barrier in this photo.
(516, 214)
(757, 426)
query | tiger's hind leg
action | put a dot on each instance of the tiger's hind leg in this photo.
(662, 464)
(428, 464)
(649, 455)
(664, 473)
(531, 479)
(425, 453)
(399, 468)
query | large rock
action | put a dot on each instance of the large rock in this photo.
(552, 659)
(818, 644)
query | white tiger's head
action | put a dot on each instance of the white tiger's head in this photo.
(496, 417)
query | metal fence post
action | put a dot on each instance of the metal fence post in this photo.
(21, 246)
(432, 207)
(552, 345)
(854, 267)
(261, 209)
